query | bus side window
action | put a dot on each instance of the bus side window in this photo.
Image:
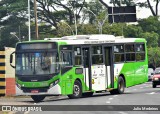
(118, 53)
(97, 57)
(78, 56)
(130, 52)
(140, 52)
(66, 58)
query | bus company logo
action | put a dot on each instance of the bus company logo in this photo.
(6, 108)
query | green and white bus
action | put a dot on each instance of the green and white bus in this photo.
(79, 65)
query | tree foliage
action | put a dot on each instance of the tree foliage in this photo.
(154, 57)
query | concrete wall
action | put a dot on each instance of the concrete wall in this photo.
(9, 72)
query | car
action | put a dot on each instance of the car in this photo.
(150, 73)
(156, 78)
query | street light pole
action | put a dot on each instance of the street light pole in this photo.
(29, 22)
(14, 34)
(100, 25)
(68, 26)
(36, 24)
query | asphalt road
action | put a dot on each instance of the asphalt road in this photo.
(142, 94)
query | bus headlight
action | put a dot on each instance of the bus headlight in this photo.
(54, 83)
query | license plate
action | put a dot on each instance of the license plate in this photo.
(34, 91)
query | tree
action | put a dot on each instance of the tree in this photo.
(151, 37)
(149, 4)
(150, 24)
(118, 3)
(154, 56)
(12, 19)
(102, 2)
(154, 12)
(116, 29)
(53, 11)
(132, 31)
(86, 29)
(122, 2)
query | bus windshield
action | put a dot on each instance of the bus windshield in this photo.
(37, 63)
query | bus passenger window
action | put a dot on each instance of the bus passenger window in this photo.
(97, 57)
(140, 52)
(118, 53)
(118, 57)
(130, 52)
(129, 48)
(66, 59)
(78, 56)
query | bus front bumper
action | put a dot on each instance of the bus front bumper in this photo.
(55, 90)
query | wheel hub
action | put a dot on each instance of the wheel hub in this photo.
(76, 90)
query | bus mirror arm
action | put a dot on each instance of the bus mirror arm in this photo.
(11, 60)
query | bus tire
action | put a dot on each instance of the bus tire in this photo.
(112, 92)
(121, 86)
(38, 98)
(77, 90)
(88, 94)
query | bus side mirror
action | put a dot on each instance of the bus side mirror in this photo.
(11, 59)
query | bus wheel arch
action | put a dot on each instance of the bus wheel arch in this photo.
(77, 89)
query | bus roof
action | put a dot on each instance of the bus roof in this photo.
(94, 39)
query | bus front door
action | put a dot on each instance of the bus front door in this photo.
(87, 68)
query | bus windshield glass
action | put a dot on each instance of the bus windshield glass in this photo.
(37, 63)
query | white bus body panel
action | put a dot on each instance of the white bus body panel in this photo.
(98, 77)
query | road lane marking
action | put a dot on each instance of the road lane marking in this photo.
(148, 86)
(122, 112)
(108, 102)
(152, 93)
(110, 98)
(115, 95)
(141, 87)
(134, 89)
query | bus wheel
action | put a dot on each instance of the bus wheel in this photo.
(38, 98)
(121, 87)
(77, 90)
(88, 94)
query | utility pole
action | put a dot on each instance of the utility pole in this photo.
(29, 22)
(35, 14)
